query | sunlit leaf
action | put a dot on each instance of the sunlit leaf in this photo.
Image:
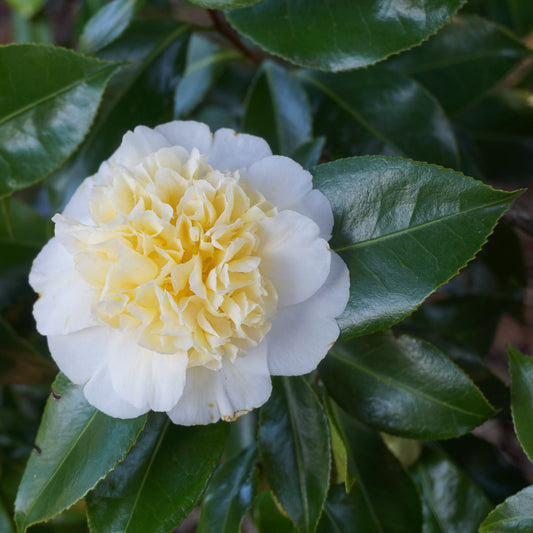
(512, 516)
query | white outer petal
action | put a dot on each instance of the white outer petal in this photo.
(285, 184)
(302, 334)
(144, 377)
(293, 256)
(100, 393)
(233, 151)
(78, 206)
(187, 133)
(65, 301)
(227, 393)
(79, 355)
(138, 144)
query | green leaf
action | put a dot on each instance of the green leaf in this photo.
(206, 61)
(139, 94)
(463, 60)
(341, 512)
(499, 133)
(76, 446)
(308, 154)
(6, 524)
(230, 494)
(277, 109)
(384, 498)
(340, 35)
(49, 99)
(512, 516)
(521, 370)
(224, 4)
(26, 8)
(295, 450)
(107, 24)
(517, 14)
(161, 479)
(403, 228)
(451, 501)
(23, 232)
(404, 387)
(377, 111)
(267, 516)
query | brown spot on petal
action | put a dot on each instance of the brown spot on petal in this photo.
(235, 415)
(235, 133)
(211, 405)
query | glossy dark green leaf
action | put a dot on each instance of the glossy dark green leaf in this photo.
(205, 63)
(451, 501)
(341, 511)
(268, 517)
(308, 154)
(498, 134)
(49, 99)
(295, 450)
(378, 111)
(384, 496)
(139, 94)
(76, 446)
(107, 24)
(6, 524)
(486, 465)
(463, 60)
(521, 370)
(512, 516)
(403, 228)
(340, 35)
(517, 14)
(277, 109)
(225, 4)
(23, 232)
(27, 8)
(161, 479)
(230, 493)
(403, 386)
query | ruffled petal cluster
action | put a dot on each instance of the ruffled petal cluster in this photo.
(189, 269)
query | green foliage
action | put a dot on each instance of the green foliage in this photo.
(391, 106)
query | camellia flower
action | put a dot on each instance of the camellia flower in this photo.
(189, 269)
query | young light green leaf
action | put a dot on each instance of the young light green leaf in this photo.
(378, 111)
(383, 498)
(76, 446)
(161, 479)
(277, 109)
(230, 493)
(140, 94)
(404, 387)
(295, 450)
(521, 370)
(451, 501)
(512, 516)
(107, 24)
(463, 60)
(340, 35)
(403, 228)
(49, 99)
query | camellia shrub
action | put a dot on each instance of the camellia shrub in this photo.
(253, 257)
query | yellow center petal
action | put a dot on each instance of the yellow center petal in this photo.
(174, 256)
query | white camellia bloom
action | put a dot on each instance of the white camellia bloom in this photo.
(185, 272)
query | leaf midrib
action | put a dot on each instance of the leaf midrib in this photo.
(410, 229)
(57, 468)
(399, 385)
(55, 94)
(147, 471)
